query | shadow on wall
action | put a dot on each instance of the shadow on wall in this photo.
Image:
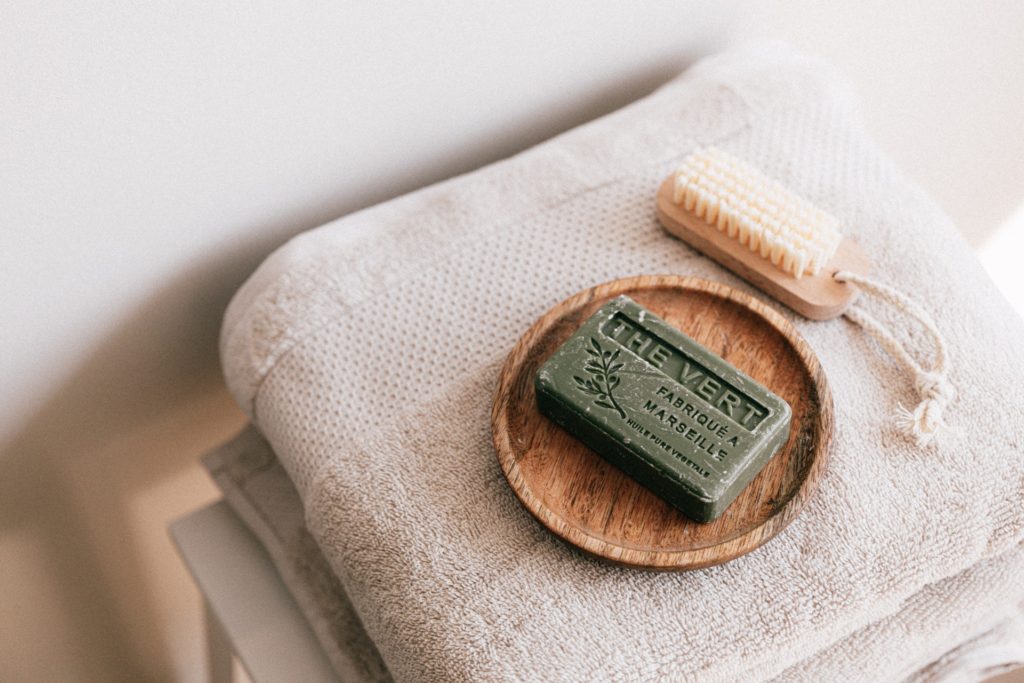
(56, 475)
(142, 406)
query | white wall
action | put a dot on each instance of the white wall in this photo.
(152, 153)
(942, 84)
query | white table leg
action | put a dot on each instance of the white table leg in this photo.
(218, 648)
(254, 629)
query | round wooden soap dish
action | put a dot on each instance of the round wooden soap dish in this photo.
(591, 504)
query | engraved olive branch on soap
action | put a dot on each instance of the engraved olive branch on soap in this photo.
(602, 367)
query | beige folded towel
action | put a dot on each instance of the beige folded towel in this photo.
(259, 491)
(967, 614)
(366, 352)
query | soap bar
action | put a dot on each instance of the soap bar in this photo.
(661, 407)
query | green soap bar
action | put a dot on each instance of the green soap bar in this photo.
(668, 412)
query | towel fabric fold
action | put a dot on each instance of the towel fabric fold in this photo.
(366, 352)
(965, 615)
(262, 495)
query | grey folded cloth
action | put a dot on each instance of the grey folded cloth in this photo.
(262, 495)
(367, 351)
(983, 637)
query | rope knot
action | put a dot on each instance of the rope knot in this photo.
(936, 393)
(934, 386)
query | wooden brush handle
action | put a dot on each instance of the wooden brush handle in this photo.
(818, 297)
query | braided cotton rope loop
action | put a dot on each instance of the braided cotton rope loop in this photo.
(933, 386)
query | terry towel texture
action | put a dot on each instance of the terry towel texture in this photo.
(260, 493)
(950, 614)
(366, 352)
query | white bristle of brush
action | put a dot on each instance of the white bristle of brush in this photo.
(756, 211)
(761, 215)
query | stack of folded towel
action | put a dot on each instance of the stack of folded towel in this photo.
(366, 353)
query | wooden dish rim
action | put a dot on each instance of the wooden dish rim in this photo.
(663, 560)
